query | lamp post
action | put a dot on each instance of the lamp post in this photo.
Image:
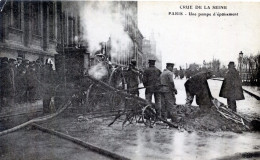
(240, 62)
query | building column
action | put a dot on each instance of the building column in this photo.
(27, 24)
(41, 23)
(45, 26)
(65, 28)
(75, 26)
(55, 22)
(2, 26)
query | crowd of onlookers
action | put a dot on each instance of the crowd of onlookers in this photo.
(22, 80)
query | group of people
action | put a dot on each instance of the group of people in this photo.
(21, 80)
(24, 81)
(179, 73)
(161, 85)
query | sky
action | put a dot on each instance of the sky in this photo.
(187, 39)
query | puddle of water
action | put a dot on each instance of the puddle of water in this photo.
(172, 144)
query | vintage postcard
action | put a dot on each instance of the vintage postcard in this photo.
(134, 80)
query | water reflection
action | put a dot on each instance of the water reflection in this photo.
(173, 144)
(162, 143)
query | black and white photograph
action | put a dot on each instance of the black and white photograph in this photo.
(139, 80)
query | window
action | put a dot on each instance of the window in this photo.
(16, 14)
(36, 18)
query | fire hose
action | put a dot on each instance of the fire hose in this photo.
(39, 119)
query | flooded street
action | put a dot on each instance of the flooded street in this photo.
(182, 145)
(138, 142)
(134, 141)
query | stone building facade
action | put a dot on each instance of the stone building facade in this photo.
(42, 29)
(37, 29)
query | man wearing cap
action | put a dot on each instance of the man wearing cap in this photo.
(151, 81)
(19, 65)
(133, 78)
(7, 82)
(48, 89)
(181, 73)
(19, 61)
(13, 70)
(32, 82)
(12, 64)
(26, 64)
(232, 87)
(168, 92)
(3, 80)
(198, 85)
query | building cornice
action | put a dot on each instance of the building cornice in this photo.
(13, 47)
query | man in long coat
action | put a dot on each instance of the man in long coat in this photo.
(198, 85)
(133, 79)
(21, 86)
(232, 87)
(7, 83)
(151, 80)
(32, 82)
(48, 87)
(168, 92)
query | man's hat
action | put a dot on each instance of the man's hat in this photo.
(133, 62)
(98, 53)
(231, 64)
(151, 61)
(26, 61)
(12, 60)
(4, 60)
(169, 64)
(209, 71)
(19, 58)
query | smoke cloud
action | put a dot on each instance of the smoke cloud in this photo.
(98, 71)
(101, 21)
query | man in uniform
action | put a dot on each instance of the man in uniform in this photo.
(7, 83)
(168, 92)
(181, 73)
(232, 87)
(19, 62)
(13, 73)
(133, 78)
(48, 88)
(198, 85)
(26, 64)
(151, 81)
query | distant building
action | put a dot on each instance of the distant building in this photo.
(149, 52)
(128, 13)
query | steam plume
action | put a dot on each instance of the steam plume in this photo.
(101, 20)
(98, 71)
